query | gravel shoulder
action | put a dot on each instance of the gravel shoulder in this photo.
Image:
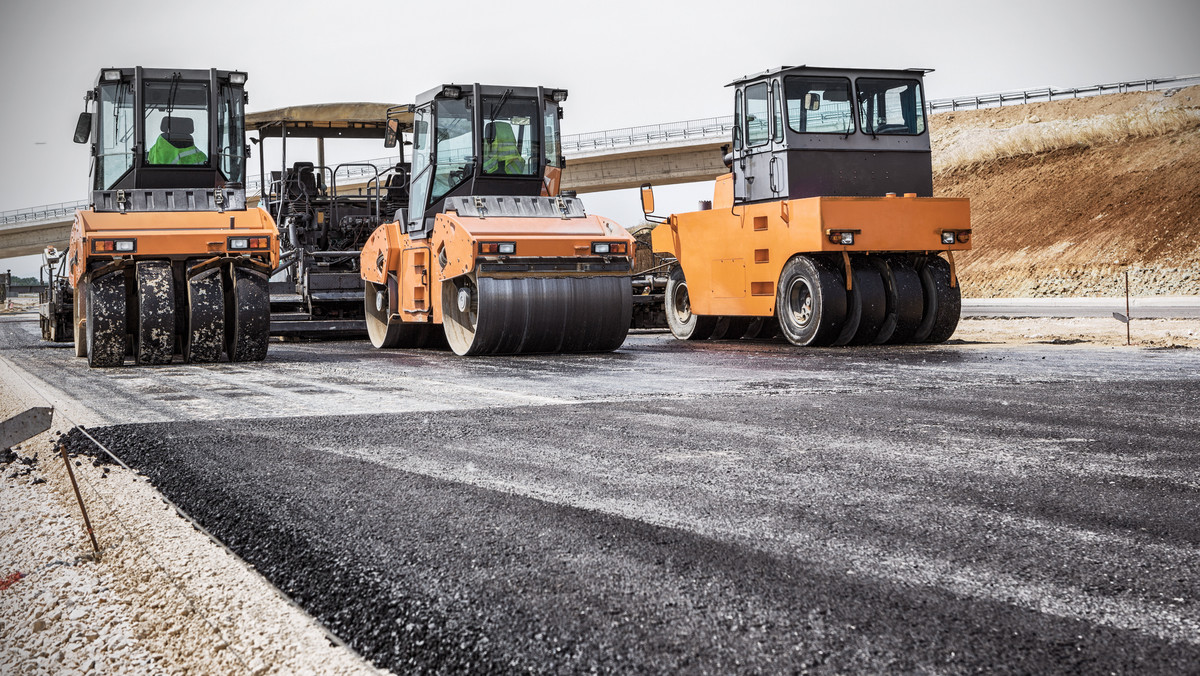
(161, 598)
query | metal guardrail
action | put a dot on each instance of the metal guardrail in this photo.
(998, 99)
(709, 127)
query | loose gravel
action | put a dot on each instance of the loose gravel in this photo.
(160, 599)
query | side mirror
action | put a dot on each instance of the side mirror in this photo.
(83, 127)
(391, 132)
(647, 199)
(812, 101)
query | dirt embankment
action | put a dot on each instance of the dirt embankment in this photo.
(1068, 195)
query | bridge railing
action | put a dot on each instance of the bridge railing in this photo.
(43, 212)
(709, 127)
(705, 128)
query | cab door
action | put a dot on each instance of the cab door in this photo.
(759, 154)
(777, 168)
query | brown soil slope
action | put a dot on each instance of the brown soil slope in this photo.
(1067, 195)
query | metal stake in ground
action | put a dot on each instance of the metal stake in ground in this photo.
(1128, 317)
(86, 521)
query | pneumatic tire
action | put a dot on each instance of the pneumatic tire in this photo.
(683, 323)
(810, 302)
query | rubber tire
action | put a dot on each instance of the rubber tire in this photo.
(154, 340)
(937, 326)
(868, 305)
(204, 331)
(247, 315)
(78, 310)
(106, 320)
(730, 328)
(905, 300)
(683, 324)
(762, 328)
(827, 310)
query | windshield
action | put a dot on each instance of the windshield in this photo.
(891, 106)
(510, 136)
(177, 119)
(231, 144)
(114, 133)
(819, 105)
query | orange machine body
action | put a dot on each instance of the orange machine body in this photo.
(457, 248)
(170, 236)
(736, 253)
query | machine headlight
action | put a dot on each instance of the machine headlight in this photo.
(237, 78)
(964, 236)
(239, 242)
(948, 237)
(451, 91)
(112, 76)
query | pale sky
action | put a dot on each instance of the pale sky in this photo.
(624, 62)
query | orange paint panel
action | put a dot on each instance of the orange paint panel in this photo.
(706, 242)
(169, 235)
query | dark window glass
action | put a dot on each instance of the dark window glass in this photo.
(177, 123)
(510, 136)
(231, 145)
(890, 106)
(114, 135)
(819, 105)
(455, 123)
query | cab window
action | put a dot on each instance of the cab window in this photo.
(888, 106)
(510, 136)
(176, 123)
(114, 134)
(819, 105)
(453, 145)
(758, 130)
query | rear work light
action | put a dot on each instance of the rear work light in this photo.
(842, 237)
(609, 247)
(245, 243)
(952, 236)
(502, 248)
(114, 245)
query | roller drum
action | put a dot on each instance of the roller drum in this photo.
(536, 314)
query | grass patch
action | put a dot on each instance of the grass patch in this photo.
(1032, 138)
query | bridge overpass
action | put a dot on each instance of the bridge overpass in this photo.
(677, 152)
(663, 154)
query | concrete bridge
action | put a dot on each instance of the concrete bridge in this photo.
(663, 154)
(677, 152)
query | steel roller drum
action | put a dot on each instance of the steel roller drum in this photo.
(536, 314)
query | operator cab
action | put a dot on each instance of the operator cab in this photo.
(156, 132)
(477, 140)
(806, 132)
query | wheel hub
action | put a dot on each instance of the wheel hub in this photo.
(380, 301)
(800, 302)
(682, 303)
(464, 299)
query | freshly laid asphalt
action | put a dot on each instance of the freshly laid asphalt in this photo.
(696, 508)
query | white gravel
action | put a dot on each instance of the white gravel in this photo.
(162, 598)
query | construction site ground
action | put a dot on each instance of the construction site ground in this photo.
(1013, 500)
(1020, 499)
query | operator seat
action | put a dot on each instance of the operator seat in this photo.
(500, 151)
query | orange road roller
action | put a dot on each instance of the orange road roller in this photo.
(167, 259)
(825, 229)
(487, 246)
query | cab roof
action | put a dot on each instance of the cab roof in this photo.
(820, 70)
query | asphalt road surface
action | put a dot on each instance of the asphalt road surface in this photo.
(703, 508)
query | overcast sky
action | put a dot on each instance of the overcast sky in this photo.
(624, 62)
